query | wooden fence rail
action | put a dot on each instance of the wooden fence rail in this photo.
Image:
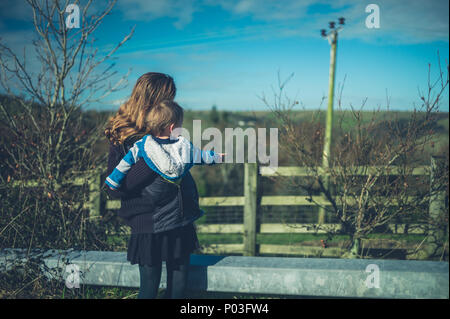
(252, 200)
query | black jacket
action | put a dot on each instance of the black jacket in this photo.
(149, 203)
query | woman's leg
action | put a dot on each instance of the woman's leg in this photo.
(150, 277)
(177, 278)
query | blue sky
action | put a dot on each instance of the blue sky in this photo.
(229, 53)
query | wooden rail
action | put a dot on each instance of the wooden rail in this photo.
(252, 200)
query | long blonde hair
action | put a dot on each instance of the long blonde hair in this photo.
(150, 89)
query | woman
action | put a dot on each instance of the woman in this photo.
(150, 243)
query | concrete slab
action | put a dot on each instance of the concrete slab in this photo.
(320, 277)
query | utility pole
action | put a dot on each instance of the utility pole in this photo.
(332, 37)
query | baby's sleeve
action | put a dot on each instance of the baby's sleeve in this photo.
(201, 157)
(114, 180)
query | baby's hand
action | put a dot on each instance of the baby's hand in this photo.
(113, 189)
(222, 156)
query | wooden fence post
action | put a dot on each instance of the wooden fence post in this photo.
(95, 195)
(438, 226)
(250, 207)
(322, 213)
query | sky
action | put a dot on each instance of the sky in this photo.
(231, 53)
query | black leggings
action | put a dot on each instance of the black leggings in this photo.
(150, 277)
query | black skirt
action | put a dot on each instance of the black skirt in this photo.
(172, 246)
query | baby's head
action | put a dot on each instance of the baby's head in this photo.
(163, 118)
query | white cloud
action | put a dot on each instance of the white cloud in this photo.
(268, 10)
(402, 21)
(118, 102)
(144, 10)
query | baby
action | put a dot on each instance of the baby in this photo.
(170, 158)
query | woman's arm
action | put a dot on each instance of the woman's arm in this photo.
(138, 176)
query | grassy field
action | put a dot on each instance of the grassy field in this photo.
(342, 118)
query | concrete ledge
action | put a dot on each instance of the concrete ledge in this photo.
(321, 277)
